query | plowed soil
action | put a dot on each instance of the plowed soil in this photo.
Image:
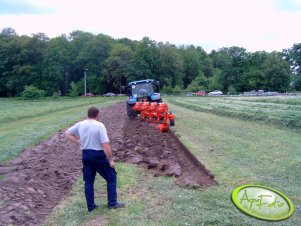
(34, 183)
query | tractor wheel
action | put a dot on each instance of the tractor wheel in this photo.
(171, 122)
(130, 112)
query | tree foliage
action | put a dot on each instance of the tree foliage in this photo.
(293, 57)
(117, 66)
(52, 64)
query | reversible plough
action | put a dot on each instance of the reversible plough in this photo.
(155, 112)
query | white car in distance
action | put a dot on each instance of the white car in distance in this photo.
(215, 93)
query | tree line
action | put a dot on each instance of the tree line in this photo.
(57, 65)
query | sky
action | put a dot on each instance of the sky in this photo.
(256, 25)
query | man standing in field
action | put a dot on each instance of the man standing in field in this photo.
(96, 157)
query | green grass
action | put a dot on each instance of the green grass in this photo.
(243, 152)
(279, 111)
(25, 123)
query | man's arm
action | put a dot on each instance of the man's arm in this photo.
(72, 137)
(108, 151)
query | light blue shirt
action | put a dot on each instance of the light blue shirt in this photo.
(92, 134)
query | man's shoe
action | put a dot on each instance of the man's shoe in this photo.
(95, 207)
(117, 205)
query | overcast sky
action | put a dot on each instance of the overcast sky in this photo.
(253, 24)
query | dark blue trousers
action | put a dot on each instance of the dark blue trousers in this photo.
(96, 161)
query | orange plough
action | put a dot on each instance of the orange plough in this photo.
(155, 113)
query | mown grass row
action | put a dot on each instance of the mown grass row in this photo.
(290, 100)
(283, 113)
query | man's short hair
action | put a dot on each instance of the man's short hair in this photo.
(92, 112)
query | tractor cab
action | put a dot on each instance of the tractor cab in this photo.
(143, 90)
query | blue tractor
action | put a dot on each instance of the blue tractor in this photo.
(142, 90)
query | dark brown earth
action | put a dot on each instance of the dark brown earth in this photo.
(162, 153)
(36, 182)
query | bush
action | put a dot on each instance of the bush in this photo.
(297, 83)
(177, 90)
(55, 95)
(167, 89)
(32, 92)
(231, 90)
(73, 91)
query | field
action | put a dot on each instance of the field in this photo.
(24, 123)
(280, 111)
(240, 140)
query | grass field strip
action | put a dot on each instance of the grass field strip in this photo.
(291, 100)
(12, 109)
(281, 113)
(39, 122)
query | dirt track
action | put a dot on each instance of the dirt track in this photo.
(35, 182)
